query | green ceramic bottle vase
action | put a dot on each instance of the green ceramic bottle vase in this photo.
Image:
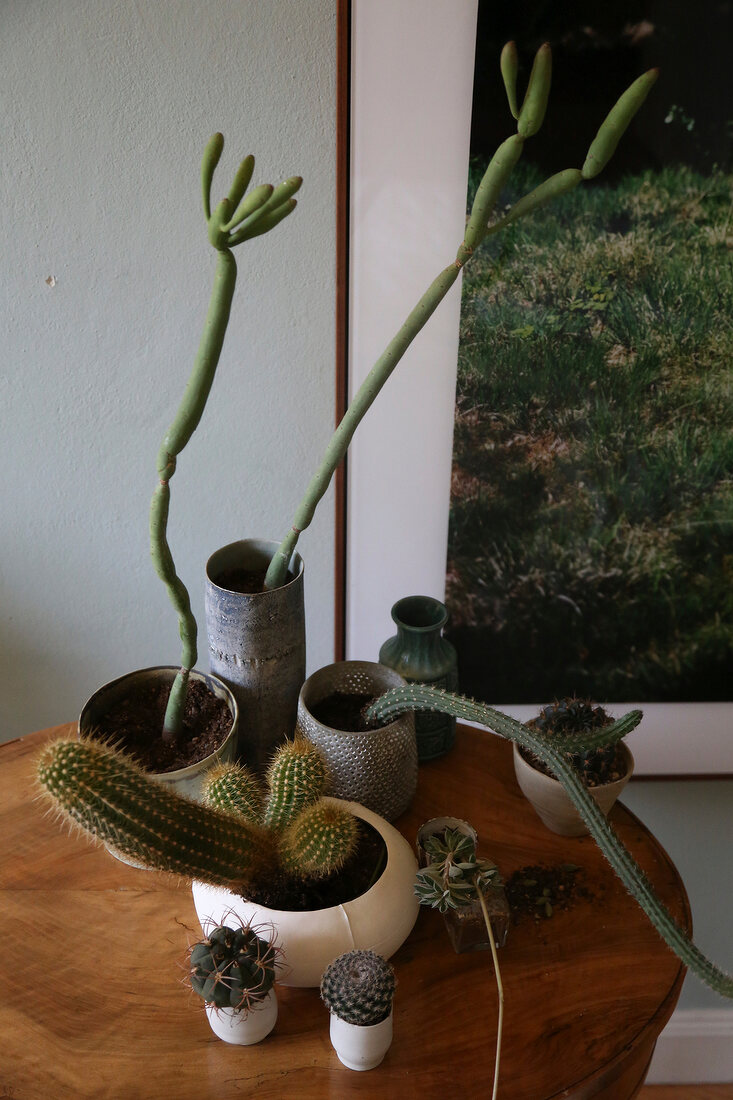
(421, 655)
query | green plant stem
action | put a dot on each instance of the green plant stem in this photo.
(500, 990)
(367, 393)
(185, 423)
(628, 870)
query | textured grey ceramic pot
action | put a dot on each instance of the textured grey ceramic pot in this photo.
(257, 646)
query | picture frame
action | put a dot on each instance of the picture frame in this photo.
(409, 156)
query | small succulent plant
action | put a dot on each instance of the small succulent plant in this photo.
(454, 875)
(358, 987)
(595, 766)
(233, 967)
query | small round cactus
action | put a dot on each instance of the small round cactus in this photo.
(358, 987)
(595, 766)
(233, 967)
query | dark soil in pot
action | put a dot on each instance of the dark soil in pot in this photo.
(358, 874)
(246, 581)
(345, 711)
(135, 723)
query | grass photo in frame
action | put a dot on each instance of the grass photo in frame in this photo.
(592, 489)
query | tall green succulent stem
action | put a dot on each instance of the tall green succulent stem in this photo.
(499, 990)
(184, 425)
(529, 119)
(634, 879)
(365, 397)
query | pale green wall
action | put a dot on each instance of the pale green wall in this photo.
(105, 110)
(693, 821)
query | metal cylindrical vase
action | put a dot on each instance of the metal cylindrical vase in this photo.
(257, 646)
(420, 654)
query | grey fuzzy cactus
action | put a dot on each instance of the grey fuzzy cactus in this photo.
(108, 796)
(415, 697)
(358, 987)
(237, 218)
(480, 225)
(233, 967)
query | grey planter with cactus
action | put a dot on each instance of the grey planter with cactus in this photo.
(357, 988)
(482, 223)
(256, 645)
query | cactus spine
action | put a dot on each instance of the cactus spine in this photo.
(101, 790)
(414, 697)
(529, 119)
(235, 790)
(234, 220)
(232, 968)
(358, 987)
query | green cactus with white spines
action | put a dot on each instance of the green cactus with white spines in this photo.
(233, 967)
(552, 753)
(235, 790)
(296, 778)
(107, 795)
(358, 987)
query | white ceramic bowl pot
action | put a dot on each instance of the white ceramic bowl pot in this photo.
(375, 767)
(381, 918)
(244, 1027)
(551, 802)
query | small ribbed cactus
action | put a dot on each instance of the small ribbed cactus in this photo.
(416, 697)
(223, 842)
(233, 967)
(358, 987)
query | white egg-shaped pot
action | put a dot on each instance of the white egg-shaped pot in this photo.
(244, 1027)
(381, 919)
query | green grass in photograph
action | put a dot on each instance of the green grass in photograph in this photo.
(591, 541)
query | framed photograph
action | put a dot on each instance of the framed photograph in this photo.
(578, 520)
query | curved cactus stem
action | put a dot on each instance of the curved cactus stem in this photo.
(530, 118)
(635, 881)
(618, 118)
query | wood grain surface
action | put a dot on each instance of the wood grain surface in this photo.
(93, 1002)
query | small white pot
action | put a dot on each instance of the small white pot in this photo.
(380, 919)
(244, 1027)
(551, 802)
(361, 1047)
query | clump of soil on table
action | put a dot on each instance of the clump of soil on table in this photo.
(283, 891)
(135, 723)
(344, 710)
(539, 891)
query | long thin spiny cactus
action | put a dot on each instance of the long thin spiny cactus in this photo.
(415, 697)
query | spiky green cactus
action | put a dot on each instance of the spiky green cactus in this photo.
(296, 778)
(358, 987)
(414, 697)
(235, 790)
(232, 967)
(235, 219)
(529, 119)
(105, 793)
(322, 835)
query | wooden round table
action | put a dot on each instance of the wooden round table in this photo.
(93, 1003)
